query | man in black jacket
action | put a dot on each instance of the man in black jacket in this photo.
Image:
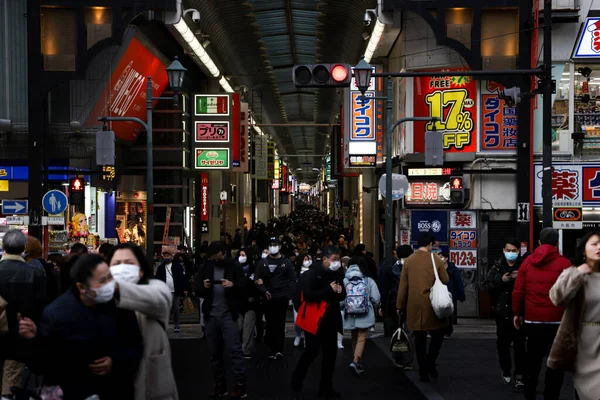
(172, 273)
(322, 283)
(224, 284)
(276, 279)
(23, 286)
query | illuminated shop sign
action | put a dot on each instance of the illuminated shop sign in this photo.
(428, 193)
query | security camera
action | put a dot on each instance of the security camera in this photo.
(367, 18)
(195, 14)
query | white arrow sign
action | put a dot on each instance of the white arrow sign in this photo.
(17, 207)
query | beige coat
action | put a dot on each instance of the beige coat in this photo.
(152, 304)
(416, 281)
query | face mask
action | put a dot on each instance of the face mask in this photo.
(334, 265)
(264, 255)
(125, 273)
(307, 263)
(510, 256)
(105, 293)
(242, 259)
(274, 249)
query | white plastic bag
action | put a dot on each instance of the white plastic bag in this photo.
(440, 296)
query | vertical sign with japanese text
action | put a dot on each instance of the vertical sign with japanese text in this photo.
(235, 130)
(463, 239)
(453, 101)
(204, 205)
(360, 147)
(498, 121)
(261, 164)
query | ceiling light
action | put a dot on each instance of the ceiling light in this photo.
(374, 40)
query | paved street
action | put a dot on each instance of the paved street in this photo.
(269, 380)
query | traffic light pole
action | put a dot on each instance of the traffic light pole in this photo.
(547, 116)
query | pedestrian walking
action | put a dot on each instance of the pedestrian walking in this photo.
(172, 272)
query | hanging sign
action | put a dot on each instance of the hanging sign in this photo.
(588, 45)
(204, 203)
(212, 131)
(212, 158)
(453, 101)
(211, 105)
(498, 121)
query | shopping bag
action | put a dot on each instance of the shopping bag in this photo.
(440, 296)
(188, 306)
(400, 343)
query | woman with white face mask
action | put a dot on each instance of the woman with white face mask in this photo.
(151, 300)
(249, 304)
(304, 266)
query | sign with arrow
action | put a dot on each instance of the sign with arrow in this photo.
(15, 207)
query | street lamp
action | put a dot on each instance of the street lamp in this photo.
(176, 74)
(362, 75)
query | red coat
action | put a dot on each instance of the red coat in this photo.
(536, 277)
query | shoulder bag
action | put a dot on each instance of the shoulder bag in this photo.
(441, 299)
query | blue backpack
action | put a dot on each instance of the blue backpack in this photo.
(357, 296)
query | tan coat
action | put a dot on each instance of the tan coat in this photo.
(152, 304)
(416, 281)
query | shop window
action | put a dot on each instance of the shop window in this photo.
(98, 21)
(586, 114)
(59, 38)
(499, 38)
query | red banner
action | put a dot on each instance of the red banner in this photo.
(452, 100)
(235, 130)
(284, 178)
(204, 204)
(125, 92)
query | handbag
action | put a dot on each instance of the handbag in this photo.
(440, 296)
(310, 315)
(188, 306)
(400, 343)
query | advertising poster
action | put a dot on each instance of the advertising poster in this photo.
(204, 206)
(434, 222)
(211, 105)
(453, 101)
(498, 121)
(212, 158)
(212, 131)
(466, 259)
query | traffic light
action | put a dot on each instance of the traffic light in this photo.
(457, 190)
(322, 75)
(76, 191)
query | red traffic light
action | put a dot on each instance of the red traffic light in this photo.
(339, 73)
(456, 183)
(77, 184)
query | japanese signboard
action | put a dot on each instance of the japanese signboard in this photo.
(428, 193)
(363, 117)
(212, 131)
(463, 239)
(466, 259)
(125, 92)
(271, 160)
(204, 203)
(453, 101)
(463, 220)
(284, 179)
(244, 126)
(498, 121)
(567, 218)
(212, 158)
(261, 169)
(567, 185)
(211, 105)
(360, 129)
(434, 222)
(588, 45)
(235, 130)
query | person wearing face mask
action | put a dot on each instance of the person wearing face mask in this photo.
(249, 304)
(85, 344)
(499, 283)
(171, 272)
(323, 284)
(151, 300)
(276, 280)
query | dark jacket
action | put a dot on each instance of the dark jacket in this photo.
(500, 291)
(279, 283)
(72, 336)
(455, 285)
(251, 297)
(23, 286)
(179, 279)
(389, 281)
(315, 285)
(234, 294)
(537, 275)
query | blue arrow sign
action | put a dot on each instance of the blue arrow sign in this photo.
(55, 202)
(15, 207)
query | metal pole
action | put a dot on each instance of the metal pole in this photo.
(389, 212)
(547, 114)
(149, 177)
(479, 74)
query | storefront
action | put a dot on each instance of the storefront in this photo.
(130, 223)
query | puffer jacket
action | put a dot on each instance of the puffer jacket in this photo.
(361, 321)
(537, 275)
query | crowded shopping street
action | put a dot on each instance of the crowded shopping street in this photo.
(299, 199)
